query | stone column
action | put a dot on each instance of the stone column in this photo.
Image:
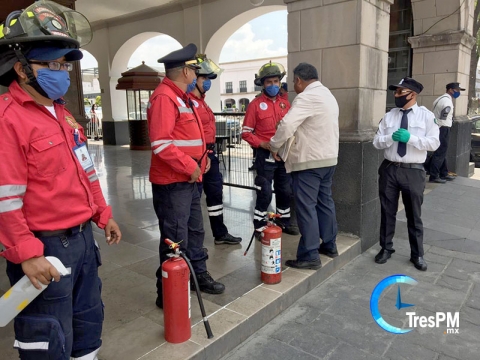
(348, 43)
(441, 54)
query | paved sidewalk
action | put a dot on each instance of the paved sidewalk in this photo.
(333, 321)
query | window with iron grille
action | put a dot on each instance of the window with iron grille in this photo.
(229, 87)
(243, 85)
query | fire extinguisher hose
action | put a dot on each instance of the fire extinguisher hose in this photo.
(200, 301)
(250, 243)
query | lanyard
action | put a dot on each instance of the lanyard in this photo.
(76, 137)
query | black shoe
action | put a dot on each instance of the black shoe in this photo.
(258, 236)
(207, 284)
(228, 239)
(291, 230)
(159, 301)
(419, 263)
(313, 265)
(448, 178)
(383, 256)
(252, 168)
(437, 180)
(333, 253)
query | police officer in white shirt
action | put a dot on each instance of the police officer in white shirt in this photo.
(443, 110)
(406, 133)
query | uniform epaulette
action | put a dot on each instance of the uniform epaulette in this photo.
(5, 101)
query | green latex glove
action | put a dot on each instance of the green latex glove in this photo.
(401, 135)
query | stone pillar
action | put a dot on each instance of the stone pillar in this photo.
(347, 41)
(442, 46)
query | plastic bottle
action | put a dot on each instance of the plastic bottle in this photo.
(23, 292)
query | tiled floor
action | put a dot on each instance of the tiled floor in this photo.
(133, 325)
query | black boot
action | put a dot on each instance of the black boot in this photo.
(207, 284)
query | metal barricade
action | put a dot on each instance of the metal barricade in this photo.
(235, 155)
(94, 128)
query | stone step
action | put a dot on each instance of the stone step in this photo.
(471, 169)
(236, 321)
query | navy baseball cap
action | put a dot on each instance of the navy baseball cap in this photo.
(454, 85)
(408, 83)
(53, 53)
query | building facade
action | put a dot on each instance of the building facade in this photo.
(237, 89)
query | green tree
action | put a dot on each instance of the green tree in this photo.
(475, 56)
(86, 101)
(98, 100)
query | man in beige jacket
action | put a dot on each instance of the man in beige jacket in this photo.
(311, 159)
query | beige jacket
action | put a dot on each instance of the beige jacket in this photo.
(313, 119)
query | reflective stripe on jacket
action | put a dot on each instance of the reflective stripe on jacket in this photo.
(42, 184)
(176, 136)
(261, 119)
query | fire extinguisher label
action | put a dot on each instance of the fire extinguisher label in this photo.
(164, 274)
(272, 257)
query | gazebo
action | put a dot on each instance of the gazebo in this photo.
(139, 82)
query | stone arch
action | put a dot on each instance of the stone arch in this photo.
(119, 65)
(219, 38)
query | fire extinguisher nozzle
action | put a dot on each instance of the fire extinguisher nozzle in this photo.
(209, 330)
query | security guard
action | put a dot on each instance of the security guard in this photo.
(261, 119)
(178, 162)
(406, 133)
(49, 190)
(443, 110)
(212, 180)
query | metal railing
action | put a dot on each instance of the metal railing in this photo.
(94, 130)
(235, 155)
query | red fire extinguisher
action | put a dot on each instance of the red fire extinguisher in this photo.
(271, 238)
(176, 296)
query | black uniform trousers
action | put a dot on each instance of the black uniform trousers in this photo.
(180, 218)
(212, 185)
(269, 170)
(393, 180)
(438, 163)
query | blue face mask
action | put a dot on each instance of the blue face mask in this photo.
(207, 83)
(456, 94)
(54, 83)
(191, 86)
(272, 90)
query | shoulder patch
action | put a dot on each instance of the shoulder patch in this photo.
(5, 101)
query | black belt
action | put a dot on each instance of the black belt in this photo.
(406, 165)
(65, 232)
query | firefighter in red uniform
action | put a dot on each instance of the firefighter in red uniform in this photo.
(212, 180)
(261, 119)
(49, 190)
(178, 161)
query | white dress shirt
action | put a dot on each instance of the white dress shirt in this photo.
(423, 135)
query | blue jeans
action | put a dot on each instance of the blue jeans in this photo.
(67, 315)
(316, 215)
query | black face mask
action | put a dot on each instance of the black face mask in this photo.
(401, 101)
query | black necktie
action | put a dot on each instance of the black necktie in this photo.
(402, 147)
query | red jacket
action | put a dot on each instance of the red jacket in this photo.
(261, 119)
(42, 184)
(207, 117)
(176, 135)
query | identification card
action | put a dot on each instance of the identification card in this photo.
(83, 156)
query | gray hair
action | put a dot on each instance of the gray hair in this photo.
(305, 72)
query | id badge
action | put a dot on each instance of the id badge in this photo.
(83, 156)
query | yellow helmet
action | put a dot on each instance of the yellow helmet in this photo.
(207, 67)
(270, 69)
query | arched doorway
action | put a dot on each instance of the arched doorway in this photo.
(243, 104)
(230, 104)
(400, 51)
